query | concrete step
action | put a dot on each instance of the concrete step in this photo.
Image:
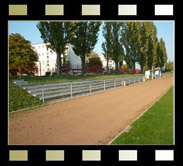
(21, 83)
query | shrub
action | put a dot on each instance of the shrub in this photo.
(48, 73)
(54, 74)
(94, 60)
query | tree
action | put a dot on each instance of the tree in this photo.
(130, 41)
(94, 60)
(117, 49)
(22, 57)
(56, 35)
(107, 44)
(125, 40)
(170, 65)
(84, 40)
(149, 34)
(163, 53)
(142, 33)
(155, 47)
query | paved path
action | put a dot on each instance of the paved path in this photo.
(94, 119)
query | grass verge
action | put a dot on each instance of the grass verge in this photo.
(20, 99)
(154, 127)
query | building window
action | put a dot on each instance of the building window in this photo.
(42, 46)
(47, 64)
(42, 53)
(47, 57)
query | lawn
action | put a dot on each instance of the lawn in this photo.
(154, 127)
(20, 98)
(60, 78)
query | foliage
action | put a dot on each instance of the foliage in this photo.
(130, 34)
(56, 35)
(155, 47)
(22, 57)
(148, 26)
(170, 66)
(20, 98)
(47, 73)
(94, 60)
(140, 43)
(94, 69)
(163, 52)
(117, 49)
(85, 38)
(107, 44)
(54, 74)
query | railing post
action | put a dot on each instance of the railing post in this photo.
(71, 89)
(134, 80)
(90, 86)
(104, 85)
(43, 92)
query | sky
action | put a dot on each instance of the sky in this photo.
(28, 29)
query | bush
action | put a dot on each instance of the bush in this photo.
(94, 60)
(94, 69)
(169, 66)
(54, 74)
(48, 73)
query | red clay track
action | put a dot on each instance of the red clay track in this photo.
(94, 119)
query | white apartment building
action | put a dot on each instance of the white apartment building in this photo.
(47, 58)
(111, 63)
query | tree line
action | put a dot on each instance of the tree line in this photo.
(133, 42)
(129, 41)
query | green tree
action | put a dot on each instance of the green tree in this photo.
(117, 49)
(155, 47)
(164, 53)
(160, 56)
(149, 34)
(143, 34)
(132, 45)
(22, 57)
(57, 35)
(125, 40)
(170, 65)
(84, 40)
(107, 44)
(94, 59)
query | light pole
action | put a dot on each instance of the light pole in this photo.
(152, 72)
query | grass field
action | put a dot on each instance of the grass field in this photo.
(20, 98)
(32, 80)
(154, 127)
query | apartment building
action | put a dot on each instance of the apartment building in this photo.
(47, 58)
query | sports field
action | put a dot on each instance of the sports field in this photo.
(94, 119)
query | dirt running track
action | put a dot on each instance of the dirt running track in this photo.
(94, 119)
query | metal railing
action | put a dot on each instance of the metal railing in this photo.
(64, 90)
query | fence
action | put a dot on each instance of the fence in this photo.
(65, 90)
